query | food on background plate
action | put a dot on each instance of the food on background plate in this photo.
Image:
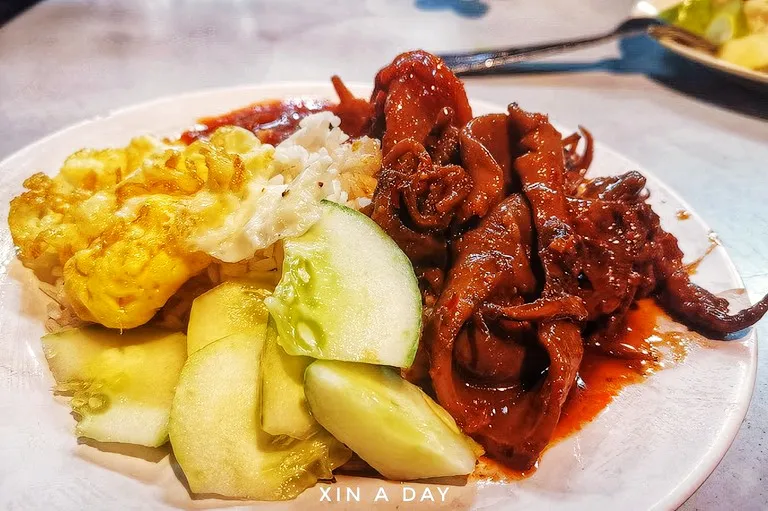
(394, 278)
(738, 27)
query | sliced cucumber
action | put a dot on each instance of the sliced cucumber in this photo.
(284, 407)
(388, 422)
(347, 293)
(122, 385)
(217, 437)
(229, 308)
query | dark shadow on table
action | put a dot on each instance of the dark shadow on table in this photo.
(642, 55)
(465, 8)
(12, 8)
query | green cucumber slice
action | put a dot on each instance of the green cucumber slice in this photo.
(216, 433)
(387, 421)
(122, 385)
(232, 307)
(284, 409)
(347, 293)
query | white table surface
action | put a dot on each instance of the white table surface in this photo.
(64, 61)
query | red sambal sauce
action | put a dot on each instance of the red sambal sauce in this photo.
(271, 120)
(602, 378)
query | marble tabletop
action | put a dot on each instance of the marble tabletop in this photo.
(64, 61)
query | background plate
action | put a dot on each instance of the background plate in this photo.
(650, 448)
(752, 77)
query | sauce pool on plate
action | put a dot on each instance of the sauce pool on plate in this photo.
(602, 378)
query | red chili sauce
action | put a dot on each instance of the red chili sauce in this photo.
(271, 120)
(602, 378)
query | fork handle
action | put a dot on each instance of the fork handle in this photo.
(465, 63)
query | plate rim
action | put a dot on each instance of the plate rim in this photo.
(716, 63)
(706, 464)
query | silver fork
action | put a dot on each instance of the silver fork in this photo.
(479, 61)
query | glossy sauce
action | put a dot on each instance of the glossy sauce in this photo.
(602, 378)
(272, 120)
(692, 267)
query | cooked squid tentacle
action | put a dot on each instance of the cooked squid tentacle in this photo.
(626, 188)
(414, 202)
(423, 248)
(702, 310)
(561, 307)
(613, 261)
(693, 305)
(616, 204)
(576, 165)
(355, 113)
(433, 193)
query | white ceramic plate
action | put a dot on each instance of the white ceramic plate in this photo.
(651, 448)
(654, 7)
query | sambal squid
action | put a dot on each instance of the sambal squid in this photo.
(523, 261)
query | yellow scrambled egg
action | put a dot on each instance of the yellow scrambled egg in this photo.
(125, 228)
(114, 223)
